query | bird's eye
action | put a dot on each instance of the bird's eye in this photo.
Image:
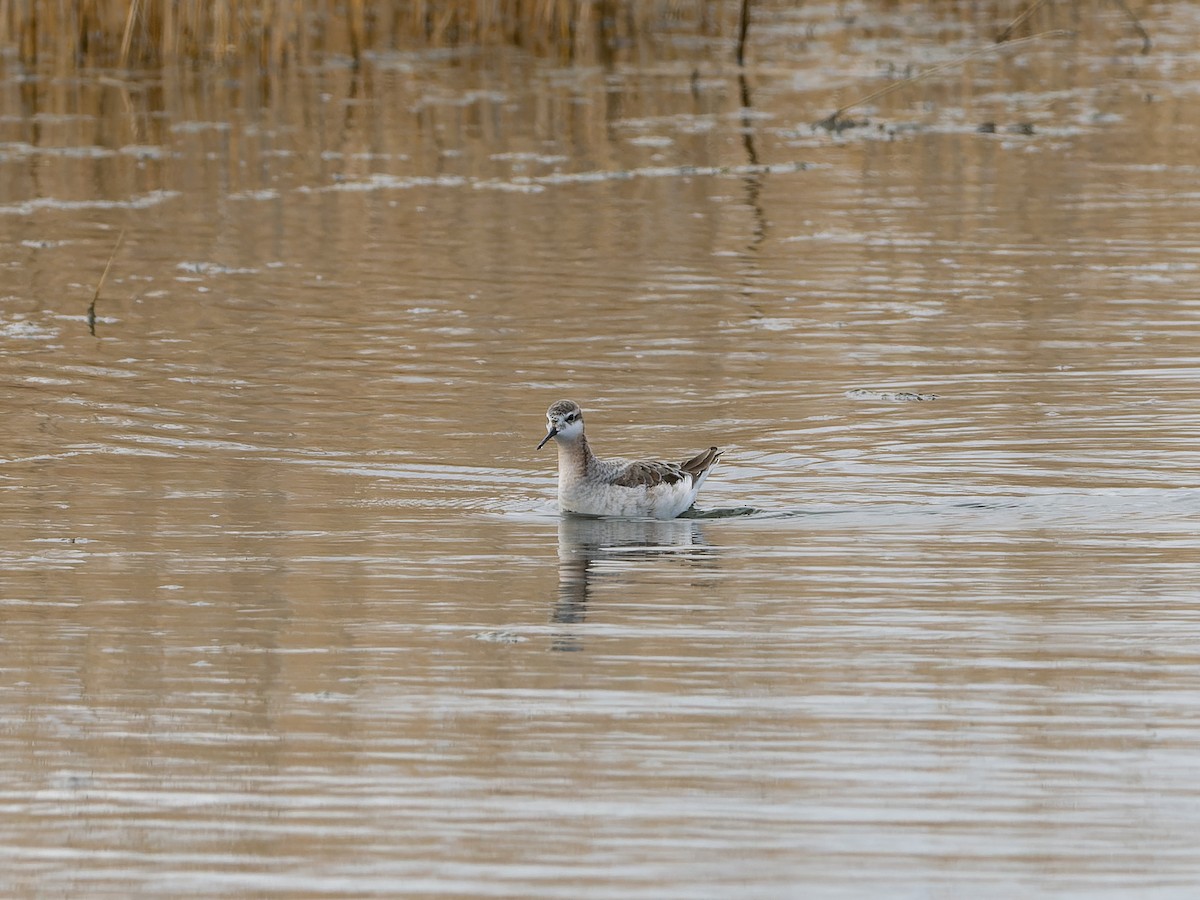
(572, 417)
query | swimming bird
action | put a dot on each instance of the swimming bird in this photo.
(619, 487)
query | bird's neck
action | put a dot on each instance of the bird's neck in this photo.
(575, 457)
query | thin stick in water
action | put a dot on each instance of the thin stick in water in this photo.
(1137, 25)
(1016, 23)
(743, 28)
(1033, 7)
(91, 313)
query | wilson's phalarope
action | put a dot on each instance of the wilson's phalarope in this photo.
(619, 487)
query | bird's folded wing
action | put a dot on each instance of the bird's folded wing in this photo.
(647, 472)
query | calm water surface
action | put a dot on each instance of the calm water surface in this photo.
(287, 608)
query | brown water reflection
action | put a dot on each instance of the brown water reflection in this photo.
(285, 597)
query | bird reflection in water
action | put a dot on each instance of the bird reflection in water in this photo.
(592, 551)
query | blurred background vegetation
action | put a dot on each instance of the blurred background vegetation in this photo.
(64, 34)
(274, 33)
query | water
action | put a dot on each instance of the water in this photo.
(287, 608)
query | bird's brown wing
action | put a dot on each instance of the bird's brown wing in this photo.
(648, 472)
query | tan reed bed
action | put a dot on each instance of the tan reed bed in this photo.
(278, 32)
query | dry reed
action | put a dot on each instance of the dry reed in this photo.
(91, 312)
(274, 33)
(278, 32)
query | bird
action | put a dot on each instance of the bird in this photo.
(591, 486)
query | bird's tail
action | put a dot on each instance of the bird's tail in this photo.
(699, 465)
